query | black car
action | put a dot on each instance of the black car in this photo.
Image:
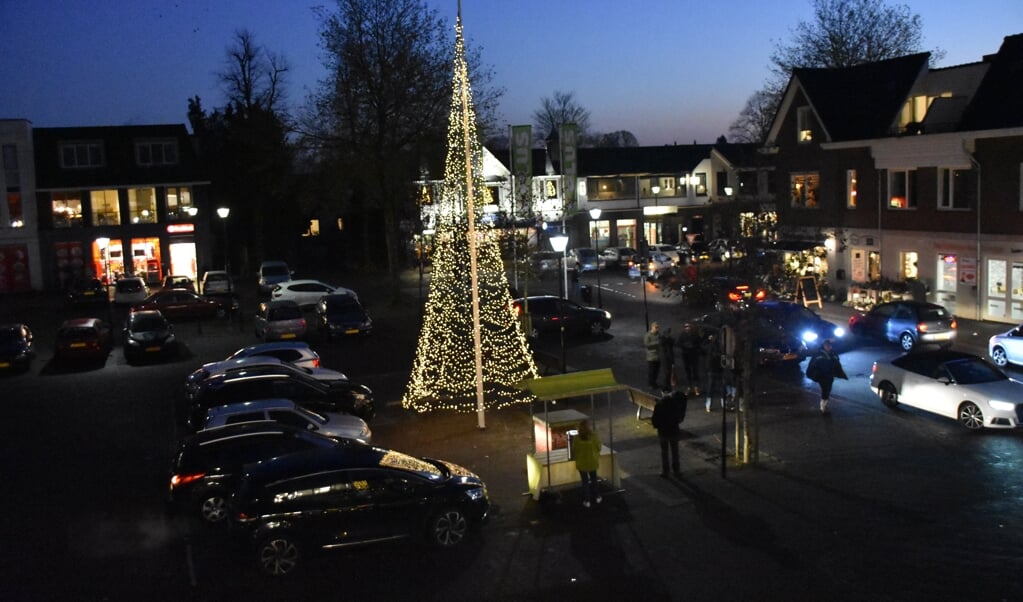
(342, 315)
(277, 382)
(147, 334)
(548, 313)
(16, 347)
(802, 322)
(208, 464)
(87, 291)
(771, 344)
(290, 506)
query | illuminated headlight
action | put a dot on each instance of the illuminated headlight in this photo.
(809, 336)
(133, 342)
(476, 493)
(607, 315)
(839, 332)
(365, 433)
(1002, 406)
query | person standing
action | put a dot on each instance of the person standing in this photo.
(692, 354)
(668, 359)
(824, 368)
(669, 411)
(711, 349)
(586, 452)
(652, 342)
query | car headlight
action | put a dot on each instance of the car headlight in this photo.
(839, 332)
(1002, 406)
(476, 493)
(809, 336)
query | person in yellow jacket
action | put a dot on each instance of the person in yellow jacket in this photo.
(586, 452)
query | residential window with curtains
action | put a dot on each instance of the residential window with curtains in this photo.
(957, 188)
(67, 209)
(106, 210)
(804, 190)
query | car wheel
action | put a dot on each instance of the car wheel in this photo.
(998, 356)
(448, 527)
(597, 328)
(970, 416)
(221, 312)
(213, 507)
(278, 555)
(889, 396)
(906, 341)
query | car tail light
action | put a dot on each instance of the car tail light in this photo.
(734, 296)
(953, 325)
(760, 295)
(184, 479)
(873, 369)
(316, 362)
(921, 327)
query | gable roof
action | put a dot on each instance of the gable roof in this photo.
(854, 103)
(638, 160)
(997, 101)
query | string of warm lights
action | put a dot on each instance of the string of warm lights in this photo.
(444, 370)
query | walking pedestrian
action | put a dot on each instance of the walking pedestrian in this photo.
(668, 359)
(692, 357)
(824, 368)
(586, 452)
(711, 349)
(669, 411)
(652, 342)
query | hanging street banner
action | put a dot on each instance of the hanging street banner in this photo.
(522, 151)
(569, 136)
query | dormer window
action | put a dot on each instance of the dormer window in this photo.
(81, 154)
(915, 110)
(156, 152)
(804, 124)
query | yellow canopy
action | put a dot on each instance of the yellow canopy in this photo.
(572, 384)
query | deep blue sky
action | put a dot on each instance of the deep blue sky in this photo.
(666, 70)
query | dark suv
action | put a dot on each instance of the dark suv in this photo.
(266, 382)
(547, 313)
(208, 464)
(333, 498)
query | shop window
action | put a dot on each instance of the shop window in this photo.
(804, 190)
(626, 232)
(106, 209)
(909, 265)
(142, 205)
(66, 208)
(850, 188)
(902, 189)
(179, 203)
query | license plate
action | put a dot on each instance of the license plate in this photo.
(288, 335)
(77, 345)
(89, 293)
(941, 336)
(790, 356)
(352, 331)
(5, 364)
(151, 349)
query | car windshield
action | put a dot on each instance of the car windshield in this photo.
(9, 335)
(285, 312)
(275, 270)
(933, 313)
(311, 415)
(586, 253)
(393, 459)
(147, 323)
(973, 371)
(129, 286)
(211, 277)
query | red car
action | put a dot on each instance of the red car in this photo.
(181, 304)
(83, 338)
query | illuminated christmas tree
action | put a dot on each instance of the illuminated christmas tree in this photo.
(471, 348)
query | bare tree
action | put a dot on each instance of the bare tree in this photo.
(558, 109)
(842, 33)
(254, 77)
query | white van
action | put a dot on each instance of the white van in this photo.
(272, 273)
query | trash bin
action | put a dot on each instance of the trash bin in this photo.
(586, 293)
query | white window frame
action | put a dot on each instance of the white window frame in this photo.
(908, 185)
(149, 153)
(947, 195)
(84, 154)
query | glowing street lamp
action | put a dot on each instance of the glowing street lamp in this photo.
(595, 215)
(222, 213)
(559, 242)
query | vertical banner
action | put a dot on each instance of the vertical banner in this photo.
(522, 151)
(569, 165)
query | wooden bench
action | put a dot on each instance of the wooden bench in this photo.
(643, 401)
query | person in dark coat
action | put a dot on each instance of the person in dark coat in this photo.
(823, 369)
(669, 411)
(668, 359)
(692, 357)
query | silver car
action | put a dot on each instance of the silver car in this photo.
(286, 411)
(1007, 347)
(279, 321)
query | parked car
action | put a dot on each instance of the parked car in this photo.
(657, 266)
(342, 315)
(216, 281)
(285, 411)
(307, 293)
(208, 464)
(700, 251)
(366, 495)
(802, 322)
(88, 290)
(772, 344)
(953, 384)
(1007, 348)
(294, 352)
(908, 323)
(722, 249)
(183, 282)
(617, 256)
(722, 292)
(671, 251)
(253, 362)
(279, 320)
(547, 261)
(147, 334)
(547, 313)
(180, 304)
(17, 349)
(583, 259)
(130, 290)
(272, 273)
(83, 339)
(269, 382)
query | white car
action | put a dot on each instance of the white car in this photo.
(216, 281)
(669, 250)
(306, 293)
(953, 384)
(286, 411)
(1007, 347)
(294, 352)
(658, 265)
(130, 290)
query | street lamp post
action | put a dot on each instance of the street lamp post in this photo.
(223, 212)
(595, 215)
(559, 243)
